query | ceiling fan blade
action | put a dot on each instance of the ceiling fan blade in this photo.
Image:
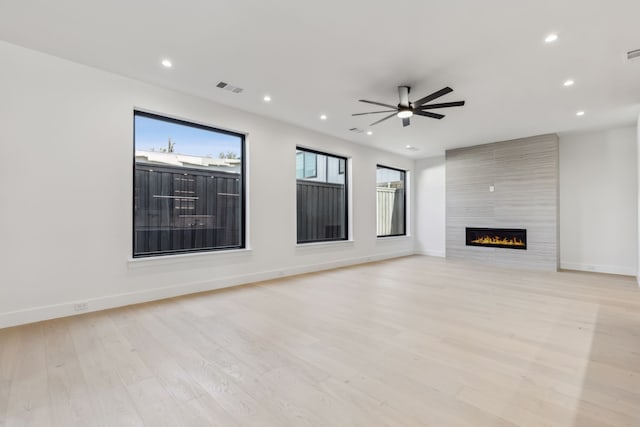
(377, 103)
(406, 122)
(374, 112)
(382, 120)
(443, 105)
(433, 96)
(428, 114)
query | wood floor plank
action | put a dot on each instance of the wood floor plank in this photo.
(416, 341)
(71, 402)
(28, 403)
(114, 405)
(9, 357)
(123, 353)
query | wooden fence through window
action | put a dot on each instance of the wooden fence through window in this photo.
(178, 209)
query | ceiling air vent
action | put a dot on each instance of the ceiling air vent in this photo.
(227, 86)
(357, 130)
(633, 54)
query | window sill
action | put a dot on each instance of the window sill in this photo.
(391, 238)
(323, 244)
(188, 257)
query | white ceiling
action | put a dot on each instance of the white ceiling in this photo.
(322, 56)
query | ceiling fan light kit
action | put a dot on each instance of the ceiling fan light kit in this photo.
(405, 113)
(406, 109)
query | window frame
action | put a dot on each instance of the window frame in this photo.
(346, 196)
(404, 207)
(243, 187)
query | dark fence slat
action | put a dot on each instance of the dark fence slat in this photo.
(320, 211)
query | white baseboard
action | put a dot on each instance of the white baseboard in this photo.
(36, 314)
(597, 268)
(440, 254)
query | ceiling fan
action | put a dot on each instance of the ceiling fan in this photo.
(405, 109)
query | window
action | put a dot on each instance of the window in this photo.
(188, 187)
(390, 201)
(321, 196)
(306, 165)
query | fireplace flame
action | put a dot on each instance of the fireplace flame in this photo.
(497, 240)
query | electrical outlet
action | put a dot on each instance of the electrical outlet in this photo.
(81, 306)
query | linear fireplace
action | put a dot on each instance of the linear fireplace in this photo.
(511, 238)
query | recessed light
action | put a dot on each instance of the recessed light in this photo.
(167, 63)
(580, 113)
(569, 82)
(551, 38)
(408, 147)
(267, 98)
(323, 117)
(369, 132)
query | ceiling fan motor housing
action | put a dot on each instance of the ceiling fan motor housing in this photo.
(403, 94)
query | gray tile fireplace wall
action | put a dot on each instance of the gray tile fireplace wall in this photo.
(523, 175)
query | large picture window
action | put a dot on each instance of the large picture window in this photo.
(390, 201)
(188, 187)
(321, 196)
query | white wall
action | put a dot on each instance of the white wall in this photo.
(66, 186)
(430, 205)
(599, 201)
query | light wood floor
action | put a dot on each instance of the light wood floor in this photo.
(409, 342)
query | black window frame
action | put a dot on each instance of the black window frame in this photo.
(404, 206)
(243, 196)
(346, 196)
